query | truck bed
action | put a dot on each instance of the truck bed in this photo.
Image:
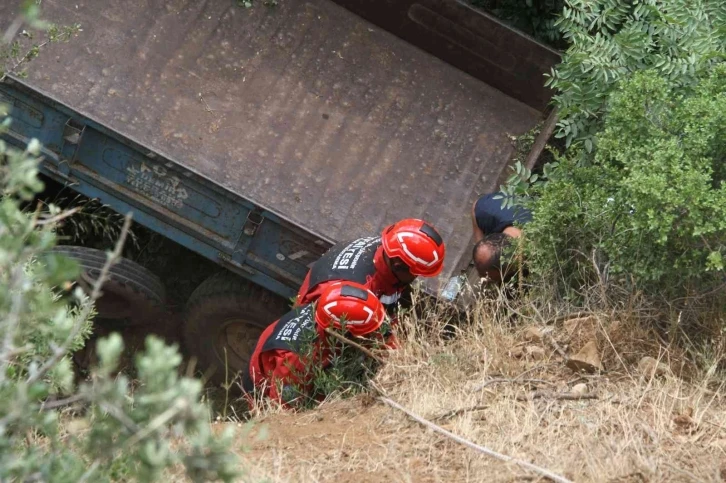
(306, 109)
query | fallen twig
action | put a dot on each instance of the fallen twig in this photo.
(531, 370)
(556, 346)
(206, 106)
(345, 340)
(565, 396)
(584, 377)
(60, 216)
(48, 405)
(503, 380)
(683, 472)
(715, 425)
(456, 412)
(573, 315)
(541, 471)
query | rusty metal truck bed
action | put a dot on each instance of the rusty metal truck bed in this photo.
(306, 109)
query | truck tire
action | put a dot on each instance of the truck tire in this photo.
(227, 314)
(132, 295)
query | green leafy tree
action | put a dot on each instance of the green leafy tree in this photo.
(649, 206)
(612, 39)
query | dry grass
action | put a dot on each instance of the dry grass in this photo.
(639, 429)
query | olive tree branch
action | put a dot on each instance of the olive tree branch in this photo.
(60, 352)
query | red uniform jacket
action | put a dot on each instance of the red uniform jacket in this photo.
(371, 271)
(279, 368)
(284, 375)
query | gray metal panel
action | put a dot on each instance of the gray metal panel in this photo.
(469, 39)
(306, 109)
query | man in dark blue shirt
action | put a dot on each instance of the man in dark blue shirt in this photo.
(493, 231)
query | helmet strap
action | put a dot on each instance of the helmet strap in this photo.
(396, 265)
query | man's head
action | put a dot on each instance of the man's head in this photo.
(488, 254)
(399, 269)
(411, 248)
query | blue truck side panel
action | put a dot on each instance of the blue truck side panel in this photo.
(163, 196)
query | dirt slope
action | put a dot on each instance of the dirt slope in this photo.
(637, 428)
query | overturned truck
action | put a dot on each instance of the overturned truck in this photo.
(259, 137)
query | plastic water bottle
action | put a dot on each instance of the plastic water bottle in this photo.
(452, 288)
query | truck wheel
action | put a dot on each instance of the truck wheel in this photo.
(132, 295)
(224, 318)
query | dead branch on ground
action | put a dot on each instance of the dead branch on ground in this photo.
(482, 449)
(511, 381)
(563, 396)
(456, 412)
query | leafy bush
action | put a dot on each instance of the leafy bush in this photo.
(132, 429)
(648, 208)
(612, 39)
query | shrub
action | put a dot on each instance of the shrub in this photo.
(132, 429)
(612, 39)
(648, 208)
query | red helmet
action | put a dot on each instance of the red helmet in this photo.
(351, 303)
(418, 244)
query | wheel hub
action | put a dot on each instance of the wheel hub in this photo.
(239, 338)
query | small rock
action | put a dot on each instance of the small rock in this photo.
(367, 400)
(535, 352)
(77, 425)
(587, 360)
(580, 388)
(533, 334)
(685, 420)
(650, 367)
(585, 327)
(517, 352)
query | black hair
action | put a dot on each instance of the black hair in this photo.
(496, 243)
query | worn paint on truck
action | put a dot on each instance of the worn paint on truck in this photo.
(204, 117)
(259, 137)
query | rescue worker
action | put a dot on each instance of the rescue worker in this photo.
(494, 231)
(386, 265)
(282, 365)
